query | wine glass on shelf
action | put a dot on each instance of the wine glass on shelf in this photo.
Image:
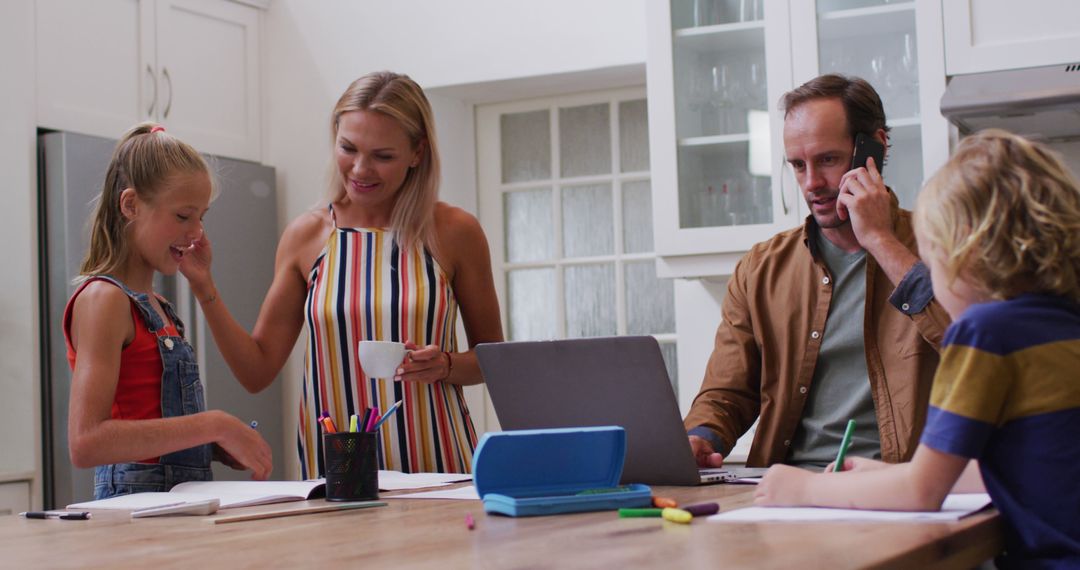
(723, 96)
(908, 75)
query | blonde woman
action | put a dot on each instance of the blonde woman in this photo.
(1000, 227)
(137, 412)
(383, 260)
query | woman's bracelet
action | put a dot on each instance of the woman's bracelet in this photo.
(449, 365)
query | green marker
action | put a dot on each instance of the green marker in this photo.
(640, 513)
(844, 445)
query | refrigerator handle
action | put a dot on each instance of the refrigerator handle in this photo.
(153, 100)
(168, 104)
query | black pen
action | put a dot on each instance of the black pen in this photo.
(62, 515)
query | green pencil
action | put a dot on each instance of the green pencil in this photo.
(844, 444)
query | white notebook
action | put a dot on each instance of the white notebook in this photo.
(193, 496)
(954, 508)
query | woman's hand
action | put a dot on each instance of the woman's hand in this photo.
(426, 365)
(195, 265)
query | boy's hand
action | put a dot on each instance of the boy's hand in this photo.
(783, 485)
(858, 464)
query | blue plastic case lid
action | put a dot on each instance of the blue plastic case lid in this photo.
(544, 462)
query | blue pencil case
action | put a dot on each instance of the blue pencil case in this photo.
(551, 471)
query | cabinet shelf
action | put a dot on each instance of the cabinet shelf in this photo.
(724, 37)
(714, 140)
(861, 22)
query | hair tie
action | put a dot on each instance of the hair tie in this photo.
(157, 129)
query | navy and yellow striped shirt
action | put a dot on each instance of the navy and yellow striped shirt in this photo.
(1007, 392)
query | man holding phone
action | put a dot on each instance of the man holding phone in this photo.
(831, 321)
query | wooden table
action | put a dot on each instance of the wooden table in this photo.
(413, 533)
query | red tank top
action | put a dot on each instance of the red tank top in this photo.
(138, 390)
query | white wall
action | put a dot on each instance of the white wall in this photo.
(461, 52)
(20, 417)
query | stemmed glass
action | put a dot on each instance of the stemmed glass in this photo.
(723, 96)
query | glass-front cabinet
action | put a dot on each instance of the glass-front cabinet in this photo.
(716, 72)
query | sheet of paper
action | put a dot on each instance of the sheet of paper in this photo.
(467, 492)
(954, 508)
(397, 481)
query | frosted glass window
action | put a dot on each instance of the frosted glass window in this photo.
(633, 136)
(531, 303)
(671, 353)
(526, 146)
(650, 302)
(637, 217)
(588, 221)
(589, 291)
(527, 217)
(585, 140)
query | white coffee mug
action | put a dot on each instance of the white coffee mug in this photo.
(380, 358)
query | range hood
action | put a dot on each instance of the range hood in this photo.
(1038, 102)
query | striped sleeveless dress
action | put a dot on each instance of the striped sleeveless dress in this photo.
(364, 287)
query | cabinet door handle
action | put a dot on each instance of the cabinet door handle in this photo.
(168, 104)
(153, 100)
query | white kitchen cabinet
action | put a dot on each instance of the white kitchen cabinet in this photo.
(713, 70)
(192, 65)
(720, 182)
(993, 35)
(14, 496)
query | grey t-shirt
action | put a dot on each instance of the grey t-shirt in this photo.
(840, 389)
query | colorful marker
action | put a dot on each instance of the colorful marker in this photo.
(677, 515)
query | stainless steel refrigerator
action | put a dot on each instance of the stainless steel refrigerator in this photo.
(242, 223)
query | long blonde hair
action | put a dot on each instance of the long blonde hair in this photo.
(1004, 213)
(143, 159)
(399, 97)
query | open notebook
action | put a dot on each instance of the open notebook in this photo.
(205, 497)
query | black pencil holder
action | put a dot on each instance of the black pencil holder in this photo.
(352, 466)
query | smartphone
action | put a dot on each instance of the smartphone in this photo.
(867, 146)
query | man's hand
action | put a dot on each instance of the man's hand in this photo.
(864, 199)
(704, 453)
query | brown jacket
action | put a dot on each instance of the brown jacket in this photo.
(767, 346)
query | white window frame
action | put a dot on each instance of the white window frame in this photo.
(491, 190)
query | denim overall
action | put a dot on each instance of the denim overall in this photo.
(181, 395)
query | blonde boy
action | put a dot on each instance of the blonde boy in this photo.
(999, 226)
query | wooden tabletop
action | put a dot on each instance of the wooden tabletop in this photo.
(422, 533)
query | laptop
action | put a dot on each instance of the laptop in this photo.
(604, 381)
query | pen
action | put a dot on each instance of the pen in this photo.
(388, 413)
(62, 515)
(352, 423)
(362, 426)
(844, 444)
